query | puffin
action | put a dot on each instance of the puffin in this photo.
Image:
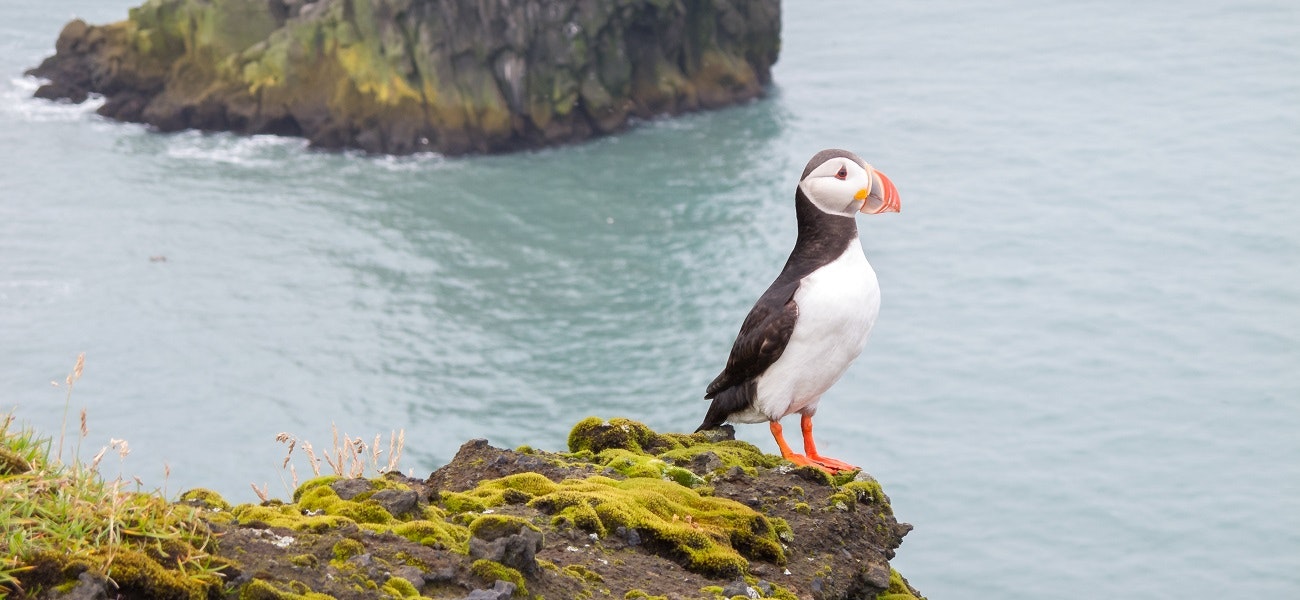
(813, 321)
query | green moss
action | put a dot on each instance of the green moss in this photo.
(347, 548)
(869, 492)
(312, 484)
(367, 511)
(206, 498)
(635, 594)
(802, 508)
(898, 589)
(259, 589)
(400, 588)
(304, 560)
(457, 502)
(632, 449)
(683, 476)
(850, 494)
(711, 536)
(631, 464)
(732, 453)
(136, 573)
(815, 475)
(496, 492)
(783, 530)
(781, 593)
(583, 573)
(595, 435)
(491, 527)
(288, 516)
(842, 501)
(490, 571)
(435, 533)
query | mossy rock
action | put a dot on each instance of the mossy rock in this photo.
(435, 533)
(868, 491)
(595, 435)
(347, 548)
(260, 589)
(898, 589)
(632, 449)
(491, 527)
(205, 498)
(400, 588)
(138, 575)
(312, 484)
(710, 536)
(490, 571)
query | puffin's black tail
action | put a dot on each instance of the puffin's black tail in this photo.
(726, 402)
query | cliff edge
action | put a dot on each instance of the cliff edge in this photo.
(626, 513)
(404, 76)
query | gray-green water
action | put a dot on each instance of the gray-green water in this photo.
(1085, 379)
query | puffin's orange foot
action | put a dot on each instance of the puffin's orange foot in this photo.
(832, 466)
(829, 465)
(801, 460)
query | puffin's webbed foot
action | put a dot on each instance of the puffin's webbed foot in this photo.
(830, 465)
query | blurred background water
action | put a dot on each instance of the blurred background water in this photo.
(1084, 382)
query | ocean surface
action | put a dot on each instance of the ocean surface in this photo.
(1084, 381)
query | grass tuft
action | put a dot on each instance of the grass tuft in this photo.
(59, 517)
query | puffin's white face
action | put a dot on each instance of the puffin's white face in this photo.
(844, 185)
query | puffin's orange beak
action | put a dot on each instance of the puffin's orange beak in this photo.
(882, 197)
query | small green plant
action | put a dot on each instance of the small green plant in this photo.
(57, 512)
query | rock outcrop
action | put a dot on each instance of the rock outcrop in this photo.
(403, 76)
(626, 512)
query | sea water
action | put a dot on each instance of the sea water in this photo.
(1084, 380)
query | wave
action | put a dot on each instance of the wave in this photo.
(16, 99)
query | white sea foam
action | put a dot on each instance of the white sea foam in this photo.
(258, 151)
(16, 99)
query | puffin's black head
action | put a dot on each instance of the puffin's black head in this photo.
(839, 182)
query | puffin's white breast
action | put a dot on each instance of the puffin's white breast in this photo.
(838, 304)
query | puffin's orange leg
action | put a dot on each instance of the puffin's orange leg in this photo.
(810, 448)
(786, 452)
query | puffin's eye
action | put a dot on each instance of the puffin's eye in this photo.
(842, 174)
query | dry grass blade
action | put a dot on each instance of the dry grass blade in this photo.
(67, 399)
(349, 456)
(261, 493)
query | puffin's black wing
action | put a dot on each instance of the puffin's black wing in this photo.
(763, 337)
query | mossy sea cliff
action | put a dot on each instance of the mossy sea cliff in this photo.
(625, 513)
(403, 76)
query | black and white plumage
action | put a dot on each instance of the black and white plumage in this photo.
(813, 321)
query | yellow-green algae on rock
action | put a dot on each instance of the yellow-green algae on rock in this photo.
(318, 508)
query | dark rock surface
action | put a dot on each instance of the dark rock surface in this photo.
(403, 76)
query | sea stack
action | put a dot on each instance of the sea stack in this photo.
(404, 76)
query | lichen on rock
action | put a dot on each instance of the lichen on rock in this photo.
(402, 76)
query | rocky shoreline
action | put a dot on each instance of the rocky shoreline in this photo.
(405, 76)
(625, 513)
